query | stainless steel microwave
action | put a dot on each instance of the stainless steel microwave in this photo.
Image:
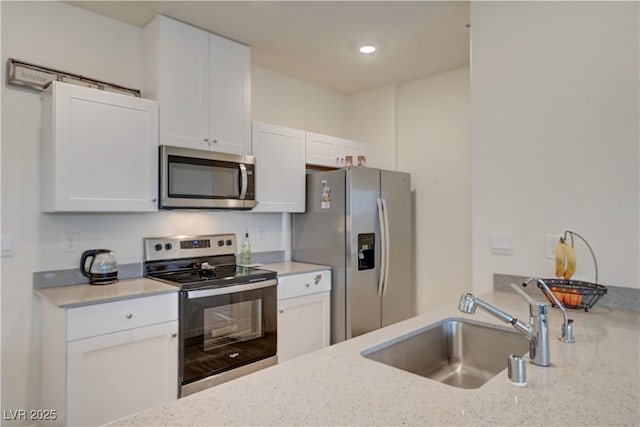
(198, 179)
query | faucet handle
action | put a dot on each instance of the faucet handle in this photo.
(567, 332)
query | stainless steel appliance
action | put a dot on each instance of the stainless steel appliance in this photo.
(227, 313)
(359, 222)
(102, 268)
(198, 179)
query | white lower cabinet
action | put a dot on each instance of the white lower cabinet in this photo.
(304, 314)
(93, 374)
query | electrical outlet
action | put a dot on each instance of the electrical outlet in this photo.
(70, 242)
(550, 241)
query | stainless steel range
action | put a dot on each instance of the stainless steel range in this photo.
(227, 312)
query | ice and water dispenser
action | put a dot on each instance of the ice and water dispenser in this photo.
(366, 251)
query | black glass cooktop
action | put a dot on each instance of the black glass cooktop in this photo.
(210, 277)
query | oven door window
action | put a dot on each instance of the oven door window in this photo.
(232, 323)
(226, 331)
(201, 178)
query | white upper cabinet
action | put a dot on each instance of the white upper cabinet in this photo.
(230, 119)
(323, 150)
(333, 152)
(353, 151)
(179, 79)
(280, 165)
(100, 151)
(202, 82)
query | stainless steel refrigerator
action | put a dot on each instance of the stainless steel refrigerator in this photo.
(359, 222)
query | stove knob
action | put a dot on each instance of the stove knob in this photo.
(228, 242)
(220, 242)
(168, 246)
(158, 247)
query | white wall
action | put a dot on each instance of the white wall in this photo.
(64, 37)
(372, 120)
(286, 101)
(434, 146)
(554, 92)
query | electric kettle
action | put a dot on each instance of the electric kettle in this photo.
(102, 269)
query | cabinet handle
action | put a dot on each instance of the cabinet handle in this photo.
(129, 316)
(173, 335)
(215, 141)
(306, 285)
(154, 200)
(281, 311)
(206, 140)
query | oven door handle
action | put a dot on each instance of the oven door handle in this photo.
(244, 183)
(203, 293)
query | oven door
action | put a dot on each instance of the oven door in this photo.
(226, 328)
(206, 180)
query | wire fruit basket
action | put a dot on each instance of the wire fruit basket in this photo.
(576, 294)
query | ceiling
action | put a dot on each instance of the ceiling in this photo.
(318, 41)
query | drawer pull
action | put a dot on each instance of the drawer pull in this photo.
(129, 316)
(306, 285)
(281, 311)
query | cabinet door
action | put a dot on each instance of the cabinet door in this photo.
(114, 375)
(280, 164)
(101, 151)
(303, 325)
(323, 150)
(230, 96)
(352, 149)
(183, 84)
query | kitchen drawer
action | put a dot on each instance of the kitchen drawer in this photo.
(304, 284)
(98, 319)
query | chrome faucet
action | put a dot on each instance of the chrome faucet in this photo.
(567, 327)
(537, 331)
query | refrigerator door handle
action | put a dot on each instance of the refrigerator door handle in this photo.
(387, 248)
(383, 254)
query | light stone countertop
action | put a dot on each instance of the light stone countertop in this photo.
(80, 295)
(288, 268)
(595, 381)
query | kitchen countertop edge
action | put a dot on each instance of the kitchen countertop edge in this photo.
(337, 386)
(290, 268)
(86, 294)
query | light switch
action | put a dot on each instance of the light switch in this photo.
(7, 246)
(550, 242)
(502, 243)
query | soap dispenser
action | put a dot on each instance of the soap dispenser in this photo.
(245, 251)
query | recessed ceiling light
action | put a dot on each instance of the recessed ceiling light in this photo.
(367, 49)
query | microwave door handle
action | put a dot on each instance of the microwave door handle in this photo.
(243, 181)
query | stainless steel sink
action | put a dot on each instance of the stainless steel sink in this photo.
(457, 352)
